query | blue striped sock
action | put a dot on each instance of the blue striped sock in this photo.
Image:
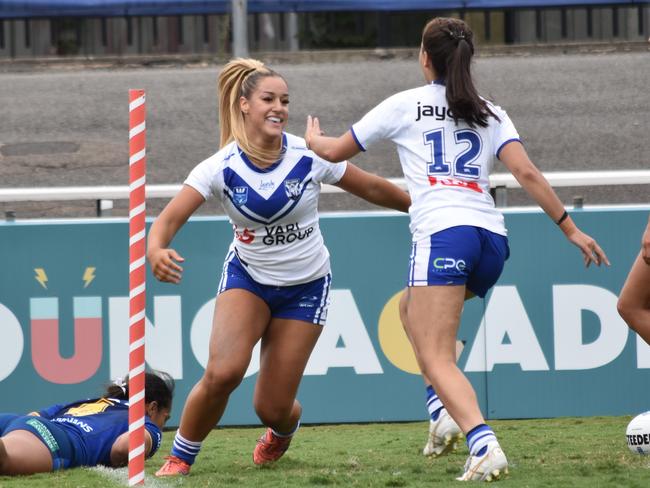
(289, 434)
(184, 449)
(478, 439)
(434, 404)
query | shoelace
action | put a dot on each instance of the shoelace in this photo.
(171, 460)
(276, 444)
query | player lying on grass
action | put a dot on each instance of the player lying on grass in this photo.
(83, 433)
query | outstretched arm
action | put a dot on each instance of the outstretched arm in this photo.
(120, 449)
(514, 156)
(164, 261)
(330, 148)
(645, 244)
(374, 189)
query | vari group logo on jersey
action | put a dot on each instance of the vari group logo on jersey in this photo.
(240, 195)
(292, 188)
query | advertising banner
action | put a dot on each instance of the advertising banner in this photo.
(546, 341)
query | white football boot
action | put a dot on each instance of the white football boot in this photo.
(491, 466)
(444, 435)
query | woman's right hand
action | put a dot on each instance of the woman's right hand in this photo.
(164, 265)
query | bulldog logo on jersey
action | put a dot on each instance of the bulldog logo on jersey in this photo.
(292, 188)
(240, 195)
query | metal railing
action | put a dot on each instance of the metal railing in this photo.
(499, 183)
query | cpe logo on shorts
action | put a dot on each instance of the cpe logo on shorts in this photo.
(444, 264)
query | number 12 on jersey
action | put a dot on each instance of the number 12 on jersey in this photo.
(464, 164)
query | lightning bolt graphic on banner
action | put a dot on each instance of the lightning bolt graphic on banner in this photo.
(41, 277)
(89, 275)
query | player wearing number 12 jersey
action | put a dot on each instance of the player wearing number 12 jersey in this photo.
(448, 138)
(446, 164)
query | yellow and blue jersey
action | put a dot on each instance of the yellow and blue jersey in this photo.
(94, 425)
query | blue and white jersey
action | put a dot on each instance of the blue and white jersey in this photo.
(94, 425)
(274, 211)
(446, 166)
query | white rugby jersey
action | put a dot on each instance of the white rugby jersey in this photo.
(273, 211)
(446, 166)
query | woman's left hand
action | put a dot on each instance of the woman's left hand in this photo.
(591, 251)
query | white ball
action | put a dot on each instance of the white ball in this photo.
(638, 434)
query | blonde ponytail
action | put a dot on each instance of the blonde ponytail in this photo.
(240, 78)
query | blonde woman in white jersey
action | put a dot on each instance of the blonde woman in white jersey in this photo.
(276, 277)
(447, 139)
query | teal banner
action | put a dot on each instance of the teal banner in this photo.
(547, 340)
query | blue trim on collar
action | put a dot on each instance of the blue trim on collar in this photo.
(257, 169)
(439, 81)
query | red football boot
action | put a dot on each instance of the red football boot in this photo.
(270, 447)
(174, 467)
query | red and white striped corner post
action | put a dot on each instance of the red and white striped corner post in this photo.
(137, 275)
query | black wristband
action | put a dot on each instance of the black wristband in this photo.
(563, 218)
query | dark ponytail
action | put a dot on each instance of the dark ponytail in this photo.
(449, 46)
(158, 386)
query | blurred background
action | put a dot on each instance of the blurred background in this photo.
(572, 75)
(116, 28)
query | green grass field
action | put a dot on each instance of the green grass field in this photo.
(567, 452)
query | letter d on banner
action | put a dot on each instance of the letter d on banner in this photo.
(570, 352)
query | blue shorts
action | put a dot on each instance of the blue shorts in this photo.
(49, 433)
(307, 302)
(462, 255)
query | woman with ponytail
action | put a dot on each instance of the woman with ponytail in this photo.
(276, 276)
(83, 433)
(448, 139)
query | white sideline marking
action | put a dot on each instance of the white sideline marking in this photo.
(121, 476)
